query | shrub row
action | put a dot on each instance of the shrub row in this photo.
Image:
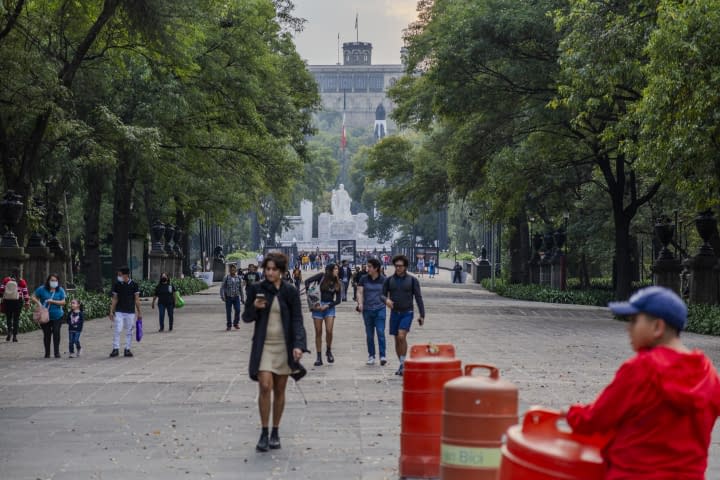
(97, 305)
(703, 319)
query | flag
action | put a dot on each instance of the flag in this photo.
(343, 138)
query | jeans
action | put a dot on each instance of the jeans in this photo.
(375, 321)
(344, 285)
(74, 341)
(161, 310)
(230, 303)
(52, 329)
(126, 321)
(12, 315)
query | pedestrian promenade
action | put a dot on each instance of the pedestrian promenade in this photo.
(184, 407)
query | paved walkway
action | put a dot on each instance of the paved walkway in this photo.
(184, 407)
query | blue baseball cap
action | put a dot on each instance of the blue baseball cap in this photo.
(659, 302)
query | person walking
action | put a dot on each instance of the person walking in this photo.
(398, 292)
(420, 265)
(278, 343)
(356, 274)
(324, 312)
(165, 297)
(251, 277)
(75, 320)
(457, 273)
(370, 304)
(51, 296)
(124, 308)
(14, 294)
(297, 277)
(345, 275)
(231, 292)
(431, 268)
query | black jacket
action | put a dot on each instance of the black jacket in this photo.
(292, 320)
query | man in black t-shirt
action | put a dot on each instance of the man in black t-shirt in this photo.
(125, 304)
(251, 276)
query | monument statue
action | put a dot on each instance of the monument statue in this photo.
(340, 202)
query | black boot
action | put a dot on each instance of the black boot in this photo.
(274, 442)
(330, 357)
(7, 339)
(14, 338)
(263, 444)
(318, 362)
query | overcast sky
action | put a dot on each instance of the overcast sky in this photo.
(381, 23)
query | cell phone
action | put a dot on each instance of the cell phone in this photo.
(261, 296)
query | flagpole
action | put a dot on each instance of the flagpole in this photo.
(338, 49)
(357, 29)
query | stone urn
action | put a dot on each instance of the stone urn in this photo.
(36, 240)
(54, 220)
(537, 242)
(706, 224)
(664, 232)
(177, 240)
(11, 208)
(169, 232)
(157, 230)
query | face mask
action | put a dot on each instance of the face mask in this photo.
(53, 284)
(120, 279)
(164, 280)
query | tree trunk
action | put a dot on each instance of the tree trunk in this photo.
(623, 261)
(122, 215)
(91, 264)
(181, 222)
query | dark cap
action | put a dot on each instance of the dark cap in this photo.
(656, 301)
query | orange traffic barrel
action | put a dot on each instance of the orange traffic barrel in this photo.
(541, 450)
(426, 370)
(477, 411)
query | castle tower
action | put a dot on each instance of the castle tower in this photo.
(357, 53)
(380, 123)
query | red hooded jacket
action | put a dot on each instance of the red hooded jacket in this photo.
(659, 412)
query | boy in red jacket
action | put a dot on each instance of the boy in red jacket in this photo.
(660, 409)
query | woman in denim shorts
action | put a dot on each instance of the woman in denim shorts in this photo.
(330, 296)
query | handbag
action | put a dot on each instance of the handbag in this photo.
(179, 302)
(41, 315)
(138, 329)
(313, 295)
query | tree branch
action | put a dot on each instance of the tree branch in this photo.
(12, 19)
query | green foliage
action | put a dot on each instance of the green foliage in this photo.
(702, 319)
(186, 286)
(240, 255)
(541, 293)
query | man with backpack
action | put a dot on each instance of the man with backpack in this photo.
(398, 293)
(232, 294)
(14, 294)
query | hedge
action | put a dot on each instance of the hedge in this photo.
(96, 305)
(703, 319)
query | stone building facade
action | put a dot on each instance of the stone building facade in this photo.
(357, 87)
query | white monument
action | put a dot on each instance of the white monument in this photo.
(341, 224)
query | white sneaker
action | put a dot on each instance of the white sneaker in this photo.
(371, 361)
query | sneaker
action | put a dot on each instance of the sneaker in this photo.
(236, 326)
(161, 330)
(78, 353)
(71, 355)
(399, 370)
(370, 361)
(114, 353)
(383, 361)
(227, 329)
(128, 353)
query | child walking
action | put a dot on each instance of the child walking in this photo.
(75, 324)
(660, 409)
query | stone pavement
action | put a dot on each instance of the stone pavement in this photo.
(184, 408)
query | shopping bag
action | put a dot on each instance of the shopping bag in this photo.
(41, 315)
(179, 302)
(138, 329)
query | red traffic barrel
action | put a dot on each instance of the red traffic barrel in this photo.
(539, 450)
(426, 370)
(477, 411)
